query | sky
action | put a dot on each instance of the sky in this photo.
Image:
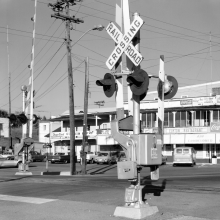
(186, 32)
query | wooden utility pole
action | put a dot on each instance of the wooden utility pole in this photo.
(84, 141)
(58, 7)
(71, 97)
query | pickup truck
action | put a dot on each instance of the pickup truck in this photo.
(59, 157)
(90, 157)
(36, 156)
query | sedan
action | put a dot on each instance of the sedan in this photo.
(164, 160)
(9, 162)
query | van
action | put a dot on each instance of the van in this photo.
(184, 155)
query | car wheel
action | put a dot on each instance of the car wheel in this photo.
(52, 162)
(174, 165)
(109, 162)
(91, 161)
(97, 163)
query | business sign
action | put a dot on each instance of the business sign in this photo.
(215, 127)
(187, 130)
(217, 138)
(66, 135)
(218, 99)
(186, 102)
(124, 43)
(216, 91)
(199, 138)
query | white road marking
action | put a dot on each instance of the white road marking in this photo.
(25, 199)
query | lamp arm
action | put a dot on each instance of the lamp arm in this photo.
(82, 36)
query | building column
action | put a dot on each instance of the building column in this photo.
(96, 122)
(174, 119)
(192, 117)
(211, 116)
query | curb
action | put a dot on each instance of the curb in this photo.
(64, 173)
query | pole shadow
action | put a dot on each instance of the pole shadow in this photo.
(156, 190)
(103, 170)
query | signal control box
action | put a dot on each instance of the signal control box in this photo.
(127, 170)
(148, 148)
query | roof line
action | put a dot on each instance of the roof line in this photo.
(193, 86)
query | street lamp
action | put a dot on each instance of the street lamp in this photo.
(96, 28)
(71, 100)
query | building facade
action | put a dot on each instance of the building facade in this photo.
(189, 120)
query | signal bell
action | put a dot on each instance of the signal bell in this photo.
(170, 87)
(139, 82)
(108, 83)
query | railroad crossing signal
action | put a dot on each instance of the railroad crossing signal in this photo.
(170, 87)
(124, 43)
(139, 82)
(108, 83)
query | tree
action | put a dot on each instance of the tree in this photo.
(3, 114)
(44, 118)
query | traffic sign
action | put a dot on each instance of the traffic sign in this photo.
(123, 43)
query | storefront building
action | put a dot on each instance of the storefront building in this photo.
(191, 122)
(188, 121)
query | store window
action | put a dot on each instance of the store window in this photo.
(166, 119)
(188, 119)
(197, 118)
(149, 122)
(215, 115)
(217, 150)
(177, 119)
(182, 119)
(170, 119)
(144, 120)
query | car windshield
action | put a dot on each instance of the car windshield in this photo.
(179, 151)
(103, 154)
(122, 155)
(185, 151)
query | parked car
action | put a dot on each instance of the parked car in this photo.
(184, 155)
(164, 160)
(10, 161)
(106, 157)
(122, 157)
(59, 157)
(91, 156)
(36, 156)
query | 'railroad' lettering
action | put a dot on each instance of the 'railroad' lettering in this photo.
(114, 56)
(137, 23)
(109, 27)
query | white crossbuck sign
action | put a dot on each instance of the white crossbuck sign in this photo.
(124, 43)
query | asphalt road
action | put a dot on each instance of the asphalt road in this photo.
(187, 191)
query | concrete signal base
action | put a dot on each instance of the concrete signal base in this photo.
(23, 170)
(138, 211)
